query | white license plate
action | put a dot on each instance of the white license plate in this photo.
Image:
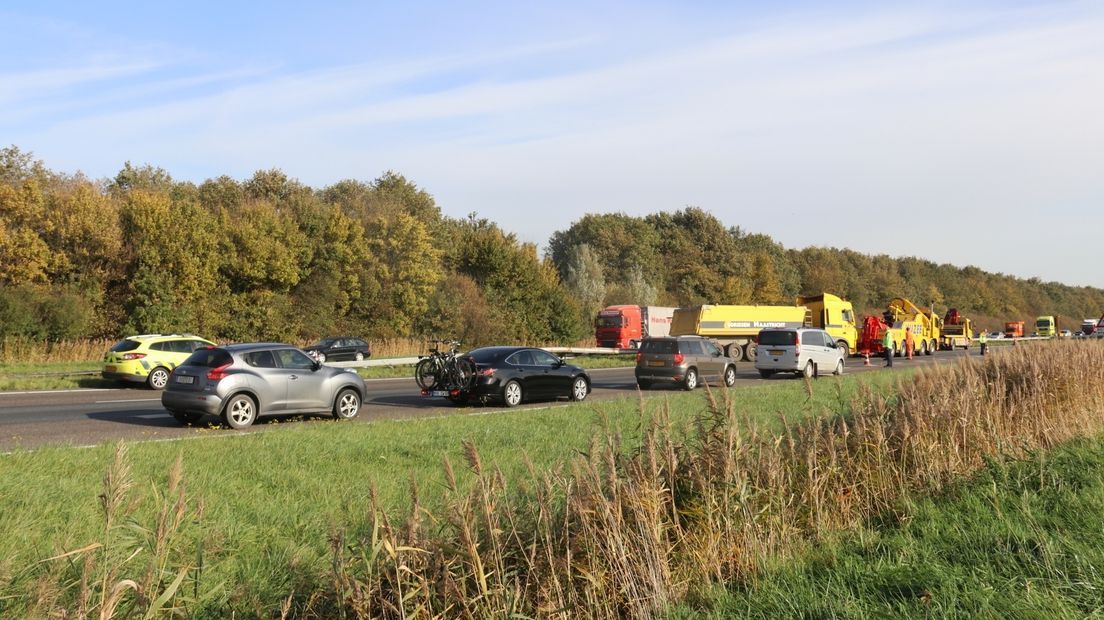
(655, 363)
(185, 379)
(775, 352)
(439, 393)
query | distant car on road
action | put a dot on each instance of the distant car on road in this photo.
(339, 348)
(243, 382)
(1065, 333)
(684, 361)
(996, 335)
(149, 358)
(803, 351)
(512, 375)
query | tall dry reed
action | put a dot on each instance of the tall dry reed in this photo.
(33, 351)
(626, 532)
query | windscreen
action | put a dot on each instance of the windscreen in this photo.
(209, 358)
(125, 345)
(777, 338)
(1042, 323)
(609, 321)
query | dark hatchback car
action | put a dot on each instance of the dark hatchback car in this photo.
(512, 375)
(683, 361)
(242, 382)
(339, 349)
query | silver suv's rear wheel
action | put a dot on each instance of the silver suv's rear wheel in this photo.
(240, 412)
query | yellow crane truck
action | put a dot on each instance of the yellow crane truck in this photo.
(736, 327)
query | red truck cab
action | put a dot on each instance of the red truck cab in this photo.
(618, 326)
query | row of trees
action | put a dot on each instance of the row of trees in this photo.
(270, 258)
(267, 258)
(689, 257)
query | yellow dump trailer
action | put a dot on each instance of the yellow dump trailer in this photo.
(736, 327)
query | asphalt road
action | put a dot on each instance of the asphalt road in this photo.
(91, 416)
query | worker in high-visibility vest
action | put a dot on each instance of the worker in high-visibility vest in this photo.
(887, 344)
(982, 340)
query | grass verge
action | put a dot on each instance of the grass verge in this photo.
(1020, 539)
(265, 505)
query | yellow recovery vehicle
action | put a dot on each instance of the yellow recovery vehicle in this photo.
(736, 327)
(958, 331)
(925, 325)
(901, 315)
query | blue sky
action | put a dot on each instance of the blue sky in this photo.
(970, 133)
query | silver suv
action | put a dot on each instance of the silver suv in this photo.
(799, 350)
(242, 382)
(682, 360)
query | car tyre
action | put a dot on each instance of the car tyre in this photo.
(839, 368)
(933, 346)
(730, 376)
(579, 389)
(809, 371)
(691, 380)
(643, 384)
(158, 378)
(766, 374)
(512, 394)
(240, 412)
(359, 356)
(346, 405)
(187, 418)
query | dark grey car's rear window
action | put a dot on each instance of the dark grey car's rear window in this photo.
(125, 345)
(209, 358)
(777, 338)
(691, 347)
(669, 347)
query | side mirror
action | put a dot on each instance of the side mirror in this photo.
(315, 365)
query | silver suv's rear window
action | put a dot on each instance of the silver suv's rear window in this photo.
(777, 338)
(209, 358)
(669, 347)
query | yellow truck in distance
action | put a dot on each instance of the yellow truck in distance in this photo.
(736, 327)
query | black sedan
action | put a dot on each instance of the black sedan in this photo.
(512, 375)
(338, 349)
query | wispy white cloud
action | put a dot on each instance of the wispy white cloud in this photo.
(818, 129)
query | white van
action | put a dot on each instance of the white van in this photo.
(804, 351)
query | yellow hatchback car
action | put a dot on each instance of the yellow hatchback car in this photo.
(150, 358)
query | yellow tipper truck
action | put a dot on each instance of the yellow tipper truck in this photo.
(736, 327)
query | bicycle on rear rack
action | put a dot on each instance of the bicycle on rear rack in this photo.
(445, 372)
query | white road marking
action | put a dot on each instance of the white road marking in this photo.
(58, 391)
(132, 400)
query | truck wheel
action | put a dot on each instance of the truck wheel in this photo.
(931, 348)
(845, 350)
(735, 351)
(750, 352)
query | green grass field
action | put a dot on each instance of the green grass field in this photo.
(270, 499)
(1022, 539)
